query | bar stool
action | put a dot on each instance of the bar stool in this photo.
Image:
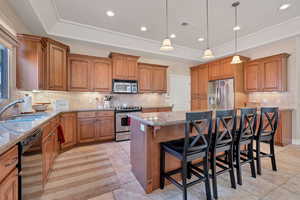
(245, 136)
(223, 145)
(188, 149)
(266, 134)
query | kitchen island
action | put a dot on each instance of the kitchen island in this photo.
(148, 130)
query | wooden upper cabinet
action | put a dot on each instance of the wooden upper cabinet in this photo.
(89, 73)
(152, 78)
(124, 66)
(227, 68)
(68, 122)
(215, 70)
(56, 65)
(252, 76)
(79, 70)
(31, 55)
(159, 79)
(145, 77)
(203, 81)
(194, 81)
(41, 63)
(267, 74)
(102, 75)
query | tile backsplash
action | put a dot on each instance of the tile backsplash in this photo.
(88, 99)
(281, 99)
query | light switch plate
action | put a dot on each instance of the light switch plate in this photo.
(142, 127)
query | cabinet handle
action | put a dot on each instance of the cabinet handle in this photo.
(12, 162)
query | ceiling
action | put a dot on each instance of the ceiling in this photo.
(130, 15)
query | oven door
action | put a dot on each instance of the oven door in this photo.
(122, 87)
(122, 122)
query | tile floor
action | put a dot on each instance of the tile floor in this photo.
(281, 185)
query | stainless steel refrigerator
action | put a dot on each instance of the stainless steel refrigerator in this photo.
(221, 94)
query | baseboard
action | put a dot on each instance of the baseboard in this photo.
(296, 141)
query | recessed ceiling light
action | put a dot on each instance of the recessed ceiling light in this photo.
(284, 6)
(172, 35)
(184, 24)
(143, 28)
(110, 13)
(201, 39)
(236, 28)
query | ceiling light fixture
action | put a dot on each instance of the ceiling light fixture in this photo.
(208, 52)
(201, 39)
(143, 28)
(110, 13)
(237, 28)
(172, 35)
(284, 6)
(236, 58)
(167, 44)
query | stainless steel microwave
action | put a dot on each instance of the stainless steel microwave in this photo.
(125, 86)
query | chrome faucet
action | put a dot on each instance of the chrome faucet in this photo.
(11, 104)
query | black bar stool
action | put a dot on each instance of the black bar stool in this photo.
(188, 149)
(223, 146)
(245, 136)
(266, 133)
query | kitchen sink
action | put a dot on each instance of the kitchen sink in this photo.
(25, 117)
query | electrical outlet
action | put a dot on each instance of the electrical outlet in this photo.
(142, 127)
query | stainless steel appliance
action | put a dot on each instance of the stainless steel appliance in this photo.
(123, 121)
(221, 94)
(30, 166)
(125, 87)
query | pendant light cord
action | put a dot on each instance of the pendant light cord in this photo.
(167, 20)
(207, 27)
(236, 31)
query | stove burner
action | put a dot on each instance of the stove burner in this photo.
(128, 108)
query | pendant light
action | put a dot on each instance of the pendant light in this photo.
(208, 52)
(236, 58)
(167, 44)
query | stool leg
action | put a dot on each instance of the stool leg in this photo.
(214, 176)
(162, 168)
(207, 183)
(272, 150)
(258, 160)
(232, 178)
(189, 173)
(251, 156)
(238, 164)
(184, 177)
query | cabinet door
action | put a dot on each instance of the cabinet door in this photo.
(132, 68)
(159, 79)
(120, 70)
(102, 75)
(86, 130)
(68, 123)
(57, 68)
(145, 78)
(79, 74)
(195, 104)
(252, 77)
(271, 75)
(9, 187)
(203, 81)
(194, 81)
(47, 149)
(215, 70)
(227, 68)
(104, 128)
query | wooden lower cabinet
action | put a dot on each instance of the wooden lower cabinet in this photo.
(68, 123)
(9, 186)
(160, 109)
(104, 128)
(284, 135)
(199, 104)
(86, 130)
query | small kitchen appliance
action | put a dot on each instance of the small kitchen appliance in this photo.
(125, 86)
(107, 101)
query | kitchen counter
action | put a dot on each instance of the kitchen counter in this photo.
(13, 132)
(168, 118)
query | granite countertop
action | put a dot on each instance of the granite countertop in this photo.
(168, 118)
(13, 132)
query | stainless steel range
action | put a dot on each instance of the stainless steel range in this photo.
(123, 121)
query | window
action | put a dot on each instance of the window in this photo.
(4, 67)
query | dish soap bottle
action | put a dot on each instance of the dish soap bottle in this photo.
(26, 107)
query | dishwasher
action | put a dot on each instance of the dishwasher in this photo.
(30, 166)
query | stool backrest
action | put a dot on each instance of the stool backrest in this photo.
(248, 121)
(268, 122)
(201, 122)
(225, 128)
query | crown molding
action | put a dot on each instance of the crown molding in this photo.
(53, 24)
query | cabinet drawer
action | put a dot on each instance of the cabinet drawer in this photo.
(105, 114)
(86, 114)
(8, 162)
